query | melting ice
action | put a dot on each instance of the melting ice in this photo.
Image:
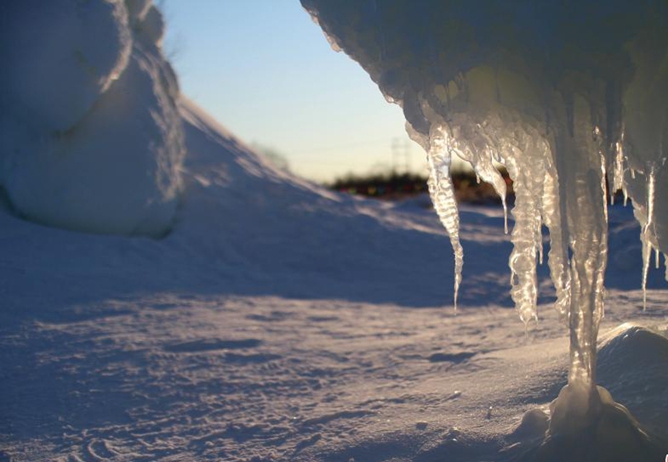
(570, 98)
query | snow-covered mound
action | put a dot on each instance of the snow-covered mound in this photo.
(634, 358)
(91, 137)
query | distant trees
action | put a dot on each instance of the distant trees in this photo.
(389, 185)
(392, 186)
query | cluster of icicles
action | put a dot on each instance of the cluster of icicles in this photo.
(536, 203)
(574, 113)
(559, 171)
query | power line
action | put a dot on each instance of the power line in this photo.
(347, 145)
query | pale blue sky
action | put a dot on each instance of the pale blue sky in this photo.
(267, 73)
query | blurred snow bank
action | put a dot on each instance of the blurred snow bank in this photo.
(91, 136)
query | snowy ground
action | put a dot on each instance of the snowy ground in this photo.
(279, 321)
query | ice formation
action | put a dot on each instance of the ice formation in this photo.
(91, 137)
(566, 96)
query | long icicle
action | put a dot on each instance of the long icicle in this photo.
(442, 195)
(646, 234)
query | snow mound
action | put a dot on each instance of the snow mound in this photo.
(92, 138)
(631, 358)
(64, 55)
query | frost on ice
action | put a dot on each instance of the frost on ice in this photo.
(91, 137)
(566, 97)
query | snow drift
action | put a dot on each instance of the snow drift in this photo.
(91, 137)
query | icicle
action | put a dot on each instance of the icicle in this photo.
(540, 252)
(646, 256)
(538, 230)
(606, 219)
(525, 237)
(442, 195)
(557, 259)
(656, 258)
(618, 169)
(650, 197)
(646, 235)
(486, 171)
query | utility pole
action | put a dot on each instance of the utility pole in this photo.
(407, 155)
(401, 150)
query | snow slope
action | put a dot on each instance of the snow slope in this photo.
(280, 321)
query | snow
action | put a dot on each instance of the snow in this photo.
(558, 105)
(52, 83)
(277, 320)
(280, 321)
(92, 140)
